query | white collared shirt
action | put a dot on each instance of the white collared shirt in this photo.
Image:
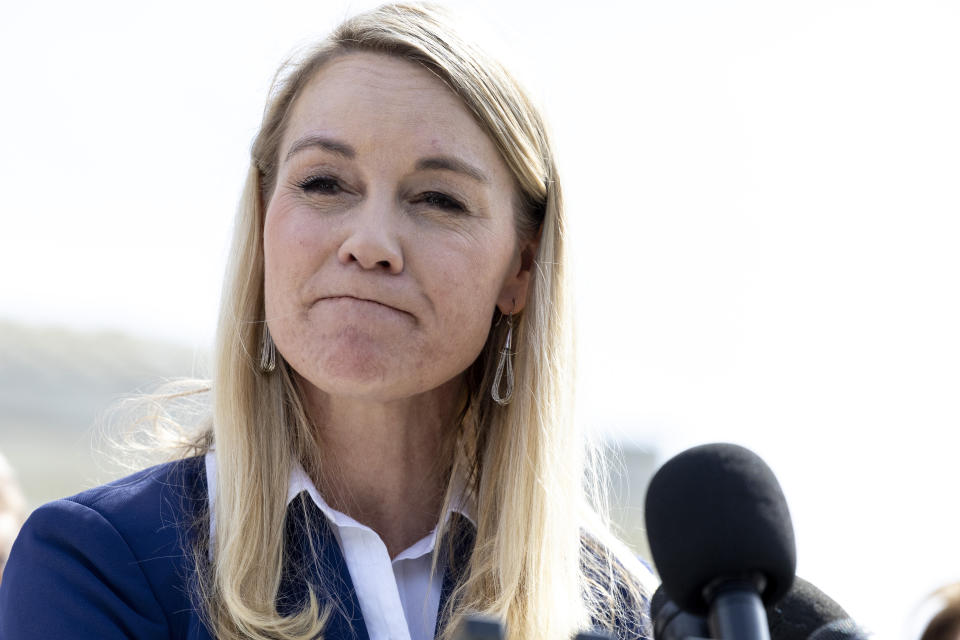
(398, 597)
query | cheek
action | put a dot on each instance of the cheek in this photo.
(469, 283)
(290, 252)
(276, 261)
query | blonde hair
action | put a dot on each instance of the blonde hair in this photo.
(533, 566)
(945, 624)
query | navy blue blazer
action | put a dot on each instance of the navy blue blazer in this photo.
(117, 561)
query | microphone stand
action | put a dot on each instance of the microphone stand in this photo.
(736, 610)
(736, 613)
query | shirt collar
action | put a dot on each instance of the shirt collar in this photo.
(300, 482)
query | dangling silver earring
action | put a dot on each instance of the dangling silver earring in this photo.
(505, 366)
(268, 351)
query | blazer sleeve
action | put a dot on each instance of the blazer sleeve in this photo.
(72, 575)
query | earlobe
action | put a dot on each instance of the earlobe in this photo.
(513, 296)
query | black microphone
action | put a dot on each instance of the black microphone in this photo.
(479, 628)
(721, 537)
(805, 613)
(670, 622)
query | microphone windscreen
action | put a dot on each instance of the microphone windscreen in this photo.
(717, 511)
(658, 601)
(806, 613)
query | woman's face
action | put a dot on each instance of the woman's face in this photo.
(389, 238)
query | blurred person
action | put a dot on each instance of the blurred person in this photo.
(945, 623)
(13, 510)
(391, 445)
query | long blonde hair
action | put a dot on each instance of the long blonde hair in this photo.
(533, 565)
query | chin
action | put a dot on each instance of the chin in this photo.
(370, 382)
(354, 374)
(359, 366)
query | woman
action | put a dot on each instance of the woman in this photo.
(391, 443)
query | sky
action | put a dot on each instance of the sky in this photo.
(764, 218)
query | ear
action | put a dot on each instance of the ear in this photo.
(513, 295)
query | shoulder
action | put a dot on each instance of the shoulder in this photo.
(108, 562)
(617, 587)
(153, 511)
(148, 502)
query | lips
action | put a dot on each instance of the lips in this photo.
(361, 300)
(379, 303)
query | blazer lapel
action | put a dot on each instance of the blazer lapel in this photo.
(457, 549)
(315, 558)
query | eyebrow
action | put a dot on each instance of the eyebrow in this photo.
(331, 145)
(434, 163)
(448, 163)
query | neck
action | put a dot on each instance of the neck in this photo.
(385, 464)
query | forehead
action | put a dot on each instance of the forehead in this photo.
(381, 102)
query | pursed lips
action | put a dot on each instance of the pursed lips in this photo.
(376, 302)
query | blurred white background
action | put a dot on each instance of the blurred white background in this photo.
(765, 214)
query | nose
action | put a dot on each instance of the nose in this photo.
(372, 241)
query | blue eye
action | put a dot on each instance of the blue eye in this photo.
(441, 201)
(320, 185)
